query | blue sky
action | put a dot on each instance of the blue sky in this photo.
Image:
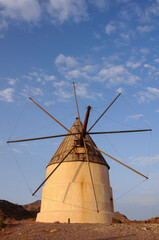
(105, 47)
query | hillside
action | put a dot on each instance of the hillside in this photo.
(10, 210)
(35, 206)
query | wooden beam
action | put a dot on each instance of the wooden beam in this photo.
(76, 100)
(95, 197)
(104, 112)
(125, 131)
(119, 161)
(53, 170)
(50, 115)
(40, 138)
(84, 127)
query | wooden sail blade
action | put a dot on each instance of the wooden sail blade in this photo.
(53, 170)
(41, 138)
(118, 161)
(76, 100)
(125, 131)
(49, 115)
(84, 127)
(104, 112)
(90, 172)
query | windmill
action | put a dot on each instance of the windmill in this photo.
(77, 186)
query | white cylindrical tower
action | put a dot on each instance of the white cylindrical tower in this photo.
(68, 194)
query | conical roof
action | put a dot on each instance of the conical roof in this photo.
(78, 153)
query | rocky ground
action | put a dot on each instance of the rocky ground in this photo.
(18, 223)
(58, 231)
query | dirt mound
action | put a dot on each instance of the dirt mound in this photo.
(10, 210)
(35, 206)
(120, 217)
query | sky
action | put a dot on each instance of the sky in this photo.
(105, 47)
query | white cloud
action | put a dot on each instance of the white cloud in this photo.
(29, 91)
(27, 10)
(135, 117)
(49, 103)
(62, 91)
(40, 77)
(156, 60)
(74, 74)
(149, 66)
(89, 68)
(49, 77)
(7, 95)
(110, 27)
(12, 81)
(60, 84)
(149, 94)
(140, 161)
(133, 65)
(65, 61)
(144, 50)
(112, 74)
(16, 150)
(120, 90)
(100, 4)
(157, 110)
(145, 28)
(154, 91)
(81, 90)
(63, 95)
(115, 74)
(73, 69)
(1, 143)
(125, 36)
(62, 10)
(3, 24)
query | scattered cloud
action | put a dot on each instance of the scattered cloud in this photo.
(149, 66)
(39, 76)
(49, 103)
(56, 11)
(1, 143)
(149, 94)
(140, 161)
(97, 35)
(101, 5)
(156, 60)
(82, 91)
(16, 150)
(134, 117)
(110, 27)
(133, 65)
(144, 50)
(26, 10)
(62, 91)
(6, 95)
(120, 90)
(117, 74)
(68, 61)
(125, 36)
(12, 81)
(105, 72)
(62, 10)
(29, 91)
(145, 28)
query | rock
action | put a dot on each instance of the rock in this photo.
(53, 230)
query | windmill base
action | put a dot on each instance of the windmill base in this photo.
(75, 217)
(68, 194)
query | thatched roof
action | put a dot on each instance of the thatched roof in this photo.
(78, 153)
